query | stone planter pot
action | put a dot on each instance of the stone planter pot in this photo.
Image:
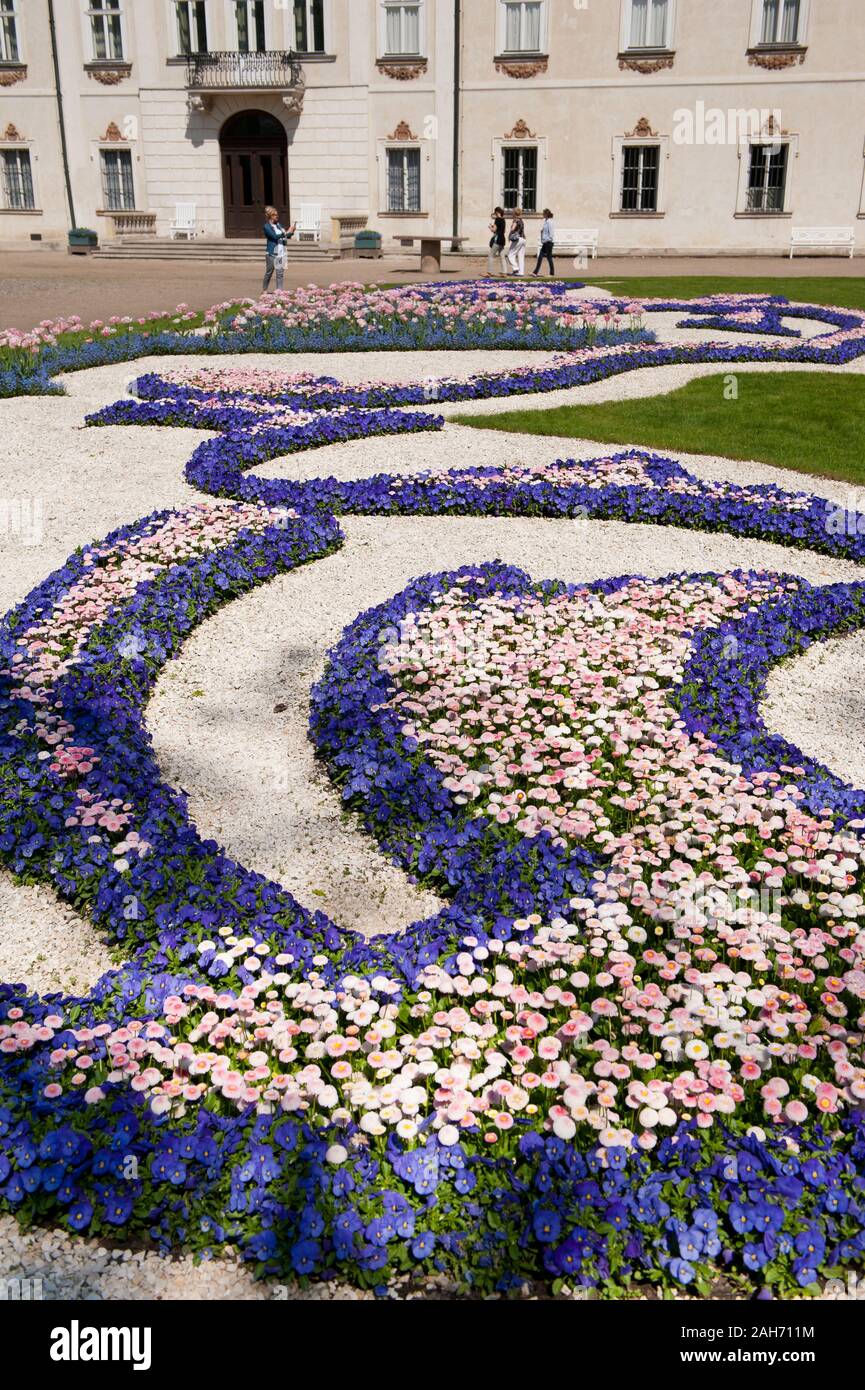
(82, 241)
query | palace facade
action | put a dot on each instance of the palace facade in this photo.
(670, 126)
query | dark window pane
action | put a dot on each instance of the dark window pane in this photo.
(18, 179)
(318, 25)
(267, 176)
(300, 42)
(395, 182)
(242, 26)
(630, 178)
(9, 51)
(245, 161)
(403, 180)
(511, 190)
(413, 180)
(530, 180)
(767, 178)
(184, 40)
(649, 190)
(115, 36)
(640, 165)
(309, 26)
(117, 180)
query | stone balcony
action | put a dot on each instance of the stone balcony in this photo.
(211, 74)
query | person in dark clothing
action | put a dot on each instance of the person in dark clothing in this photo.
(548, 238)
(498, 228)
(276, 238)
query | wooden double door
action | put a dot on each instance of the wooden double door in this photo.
(254, 151)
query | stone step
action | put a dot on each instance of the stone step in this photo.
(234, 250)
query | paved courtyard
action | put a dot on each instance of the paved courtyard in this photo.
(38, 285)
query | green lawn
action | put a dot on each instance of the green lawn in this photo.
(844, 290)
(813, 422)
(847, 291)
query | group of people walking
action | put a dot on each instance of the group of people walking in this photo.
(509, 247)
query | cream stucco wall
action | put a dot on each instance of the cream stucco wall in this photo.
(577, 103)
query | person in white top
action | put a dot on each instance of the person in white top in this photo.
(276, 237)
(516, 254)
(548, 237)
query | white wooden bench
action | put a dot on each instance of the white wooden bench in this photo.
(575, 239)
(823, 238)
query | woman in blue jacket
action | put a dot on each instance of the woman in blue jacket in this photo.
(276, 237)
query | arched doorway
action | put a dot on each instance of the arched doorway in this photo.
(254, 152)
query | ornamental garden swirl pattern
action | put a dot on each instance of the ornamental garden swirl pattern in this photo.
(631, 1043)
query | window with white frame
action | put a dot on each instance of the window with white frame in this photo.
(648, 23)
(18, 181)
(523, 26)
(403, 179)
(309, 26)
(767, 177)
(10, 48)
(641, 166)
(118, 189)
(520, 178)
(402, 28)
(249, 19)
(781, 22)
(191, 26)
(106, 30)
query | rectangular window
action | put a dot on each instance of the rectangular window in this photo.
(117, 188)
(106, 31)
(767, 178)
(640, 166)
(650, 21)
(17, 180)
(309, 26)
(191, 26)
(520, 177)
(780, 21)
(403, 180)
(402, 28)
(522, 26)
(10, 51)
(250, 26)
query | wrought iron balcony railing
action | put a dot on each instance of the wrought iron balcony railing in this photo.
(231, 71)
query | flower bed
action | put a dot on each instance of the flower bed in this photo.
(550, 1105)
(630, 1045)
(261, 415)
(342, 318)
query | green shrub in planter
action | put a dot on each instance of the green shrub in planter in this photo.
(82, 239)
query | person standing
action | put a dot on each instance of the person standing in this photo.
(497, 241)
(548, 238)
(517, 244)
(276, 238)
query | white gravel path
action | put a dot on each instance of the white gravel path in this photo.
(817, 702)
(248, 767)
(70, 1267)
